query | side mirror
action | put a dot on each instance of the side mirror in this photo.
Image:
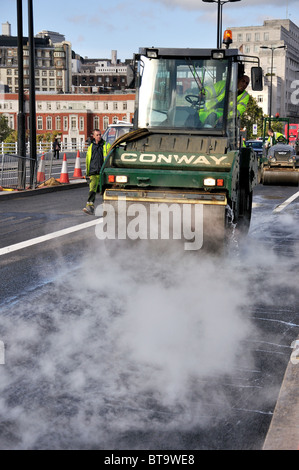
(257, 78)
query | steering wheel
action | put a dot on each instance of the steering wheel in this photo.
(193, 100)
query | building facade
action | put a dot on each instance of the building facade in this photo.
(285, 67)
(102, 75)
(72, 116)
(53, 63)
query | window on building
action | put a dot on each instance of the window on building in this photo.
(257, 36)
(260, 98)
(73, 123)
(58, 123)
(49, 105)
(65, 124)
(115, 120)
(266, 36)
(247, 49)
(96, 122)
(39, 123)
(81, 121)
(239, 37)
(125, 105)
(105, 122)
(105, 105)
(49, 123)
(248, 37)
(115, 105)
(58, 105)
(96, 105)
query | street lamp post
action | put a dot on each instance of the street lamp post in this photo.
(272, 48)
(219, 17)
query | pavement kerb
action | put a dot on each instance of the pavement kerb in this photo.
(4, 195)
(283, 433)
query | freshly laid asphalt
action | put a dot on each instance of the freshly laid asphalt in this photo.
(283, 432)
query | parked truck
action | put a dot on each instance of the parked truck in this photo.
(185, 149)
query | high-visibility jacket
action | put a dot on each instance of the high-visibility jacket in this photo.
(273, 139)
(106, 147)
(214, 97)
(242, 102)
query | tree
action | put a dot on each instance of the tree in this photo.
(252, 115)
(5, 130)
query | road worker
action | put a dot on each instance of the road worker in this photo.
(214, 100)
(95, 156)
(273, 137)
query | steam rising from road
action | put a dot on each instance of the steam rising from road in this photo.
(132, 343)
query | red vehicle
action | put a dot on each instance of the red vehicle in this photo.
(293, 132)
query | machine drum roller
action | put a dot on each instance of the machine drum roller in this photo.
(281, 177)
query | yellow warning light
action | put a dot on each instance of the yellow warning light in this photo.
(227, 37)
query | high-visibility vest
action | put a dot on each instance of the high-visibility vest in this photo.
(214, 96)
(242, 102)
(106, 148)
(273, 139)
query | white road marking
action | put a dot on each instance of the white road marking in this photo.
(286, 203)
(49, 236)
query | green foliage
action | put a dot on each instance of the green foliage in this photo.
(277, 126)
(5, 130)
(12, 137)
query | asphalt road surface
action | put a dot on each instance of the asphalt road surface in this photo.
(139, 349)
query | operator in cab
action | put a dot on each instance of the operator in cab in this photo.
(273, 137)
(214, 100)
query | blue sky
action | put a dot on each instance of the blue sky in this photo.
(96, 27)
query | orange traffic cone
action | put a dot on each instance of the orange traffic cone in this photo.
(40, 178)
(64, 177)
(77, 170)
